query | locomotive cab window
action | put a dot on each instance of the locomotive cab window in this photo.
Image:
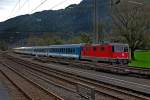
(118, 48)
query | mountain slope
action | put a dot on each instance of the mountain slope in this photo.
(74, 18)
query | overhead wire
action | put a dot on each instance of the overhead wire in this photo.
(28, 6)
(38, 6)
(58, 4)
(51, 7)
(14, 8)
(20, 7)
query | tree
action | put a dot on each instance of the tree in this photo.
(3, 46)
(85, 38)
(74, 40)
(131, 24)
(45, 39)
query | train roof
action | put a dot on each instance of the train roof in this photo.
(106, 44)
(22, 48)
(70, 45)
(66, 45)
(52, 46)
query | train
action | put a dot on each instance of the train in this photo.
(109, 53)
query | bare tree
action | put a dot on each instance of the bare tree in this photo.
(131, 24)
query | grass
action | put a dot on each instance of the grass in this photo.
(142, 59)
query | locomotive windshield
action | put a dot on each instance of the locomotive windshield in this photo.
(120, 48)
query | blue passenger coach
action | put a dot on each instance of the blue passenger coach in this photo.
(67, 51)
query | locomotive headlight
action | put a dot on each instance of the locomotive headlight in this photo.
(122, 54)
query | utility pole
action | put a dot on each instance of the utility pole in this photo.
(96, 19)
(95, 22)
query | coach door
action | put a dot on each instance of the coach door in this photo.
(94, 51)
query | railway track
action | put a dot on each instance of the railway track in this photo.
(60, 87)
(30, 89)
(14, 93)
(113, 68)
(72, 88)
(83, 84)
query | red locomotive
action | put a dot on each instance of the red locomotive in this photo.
(114, 52)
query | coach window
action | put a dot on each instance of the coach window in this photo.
(71, 50)
(63, 50)
(55, 50)
(38, 50)
(68, 51)
(60, 50)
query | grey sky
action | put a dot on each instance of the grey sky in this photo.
(6, 7)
